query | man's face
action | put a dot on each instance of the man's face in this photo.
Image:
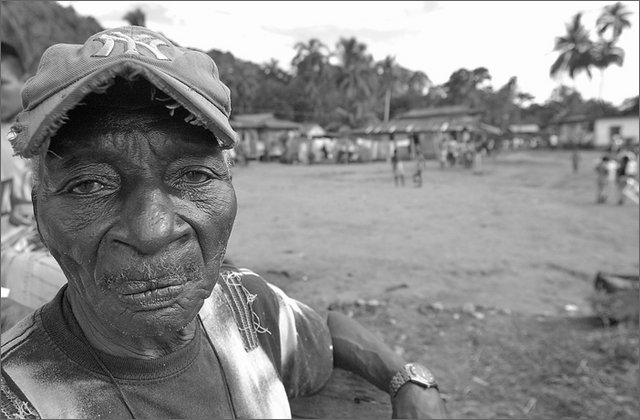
(138, 219)
(10, 93)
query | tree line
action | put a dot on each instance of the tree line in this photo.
(343, 86)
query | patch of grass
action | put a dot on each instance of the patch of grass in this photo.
(555, 371)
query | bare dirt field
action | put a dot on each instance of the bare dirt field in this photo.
(471, 273)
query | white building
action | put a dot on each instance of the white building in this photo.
(627, 128)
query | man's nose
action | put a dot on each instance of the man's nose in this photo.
(150, 222)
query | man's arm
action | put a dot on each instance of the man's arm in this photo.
(359, 351)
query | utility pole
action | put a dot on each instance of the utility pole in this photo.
(387, 104)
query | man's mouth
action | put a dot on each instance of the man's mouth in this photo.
(151, 285)
(151, 294)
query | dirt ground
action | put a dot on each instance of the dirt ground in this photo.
(471, 273)
(526, 235)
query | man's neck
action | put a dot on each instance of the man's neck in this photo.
(110, 341)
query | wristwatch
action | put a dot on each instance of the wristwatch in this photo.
(412, 372)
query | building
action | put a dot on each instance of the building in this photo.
(525, 135)
(312, 130)
(572, 130)
(265, 137)
(425, 129)
(625, 129)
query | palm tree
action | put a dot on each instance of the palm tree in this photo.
(272, 69)
(614, 17)
(387, 69)
(356, 79)
(575, 48)
(356, 64)
(465, 86)
(311, 56)
(606, 53)
(419, 82)
(310, 63)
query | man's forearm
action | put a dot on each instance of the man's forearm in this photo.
(358, 350)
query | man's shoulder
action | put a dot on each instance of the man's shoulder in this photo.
(24, 349)
(13, 403)
(21, 334)
(248, 279)
(252, 304)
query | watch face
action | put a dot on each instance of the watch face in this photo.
(420, 375)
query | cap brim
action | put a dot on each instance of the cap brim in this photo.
(46, 118)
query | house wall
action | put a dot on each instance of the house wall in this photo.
(249, 139)
(381, 146)
(629, 128)
(258, 142)
(578, 132)
(429, 144)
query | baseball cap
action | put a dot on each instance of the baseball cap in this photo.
(69, 72)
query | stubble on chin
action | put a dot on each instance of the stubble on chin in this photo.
(173, 319)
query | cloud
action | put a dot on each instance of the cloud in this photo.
(155, 12)
(509, 38)
(430, 6)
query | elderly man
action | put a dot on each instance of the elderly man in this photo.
(129, 138)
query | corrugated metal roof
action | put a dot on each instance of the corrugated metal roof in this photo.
(524, 128)
(439, 111)
(418, 125)
(490, 129)
(569, 119)
(265, 120)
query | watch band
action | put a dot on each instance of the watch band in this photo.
(411, 372)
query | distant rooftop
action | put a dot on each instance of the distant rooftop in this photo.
(438, 111)
(263, 120)
(524, 128)
(575, 118)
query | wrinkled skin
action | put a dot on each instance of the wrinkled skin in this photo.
(138, 212)
(414, 402)
(358, 350)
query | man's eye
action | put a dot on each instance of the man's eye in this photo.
(87, 187)
(195, 177)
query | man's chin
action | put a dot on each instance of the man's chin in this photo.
(154, 323)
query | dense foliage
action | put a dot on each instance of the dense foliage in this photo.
(33, 26)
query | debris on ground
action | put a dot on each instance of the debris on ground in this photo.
(615, 298)
(357, 306)
(396, 287)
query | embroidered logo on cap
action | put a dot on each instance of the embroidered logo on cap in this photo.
(147, 41)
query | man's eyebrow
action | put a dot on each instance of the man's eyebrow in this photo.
(217, 162)
(71, 160)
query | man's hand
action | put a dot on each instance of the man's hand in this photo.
(11, 312)
(414, 402)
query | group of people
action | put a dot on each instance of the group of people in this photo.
(397, 168)
(126, 140)
(467, 154)
(617, 171)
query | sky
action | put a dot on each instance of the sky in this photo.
(436, 37)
